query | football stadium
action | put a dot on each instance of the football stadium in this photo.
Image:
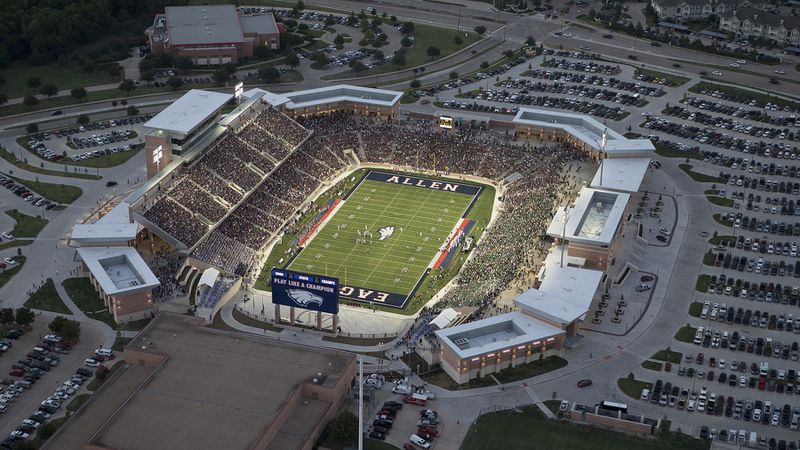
(402, 212)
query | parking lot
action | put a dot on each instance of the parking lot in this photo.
(29, 400)
(82, 142)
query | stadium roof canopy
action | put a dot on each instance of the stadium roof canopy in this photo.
(207, 24)
(550, 307)
(573, 284)
(495, 333)
(621, 174)
(593, 220)
(584, 128)
(119, 270)
(115, 227)
(335, 94)
(188, 112)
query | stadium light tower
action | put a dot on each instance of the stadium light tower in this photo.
(567, 210)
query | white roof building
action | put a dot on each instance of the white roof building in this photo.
(621, 174)
(188, 113)
(118, 270)
(114, 228)
(335, 94)
(494, 334)
(585, 129)
(550, 307)
(573, 284)
(593, 220)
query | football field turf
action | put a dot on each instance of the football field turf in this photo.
(422, 219)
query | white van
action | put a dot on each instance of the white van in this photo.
(401, 389)
(419, 442)
(104, 352)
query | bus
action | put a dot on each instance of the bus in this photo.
(612, 406)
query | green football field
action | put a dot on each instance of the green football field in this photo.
(422, 221)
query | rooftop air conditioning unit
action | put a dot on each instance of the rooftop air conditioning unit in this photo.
(461, 341)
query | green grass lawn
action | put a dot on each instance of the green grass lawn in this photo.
(47, 298)
(700, 177)
(702, 283)
(58, 193)
(83, 294)
(720, 201)
(26, 226)
(77, 402)
(527, 428)
(105, 161)
(12, 159)
(695, 309)
(717, 240)
(633, 388)
(676, 80)
(15, 243)
(65, 77)
(686, 334)
(745, 94)
(652, 365)
(9, 273)
(668, 355)
(424, 36)
(670, 152)
(709, 257)
(508, 375)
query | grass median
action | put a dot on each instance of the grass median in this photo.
(700, 177)
(58, 193)
(652, 365)
(46, 298)
(668, 355)
(7, 274)
(686, 334)
(26, 226)
(745, 95)
(676, 80)
(21, 164)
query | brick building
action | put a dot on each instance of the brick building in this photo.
(212, 34)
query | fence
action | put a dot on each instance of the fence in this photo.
(262, 318)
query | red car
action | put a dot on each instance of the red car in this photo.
(584, 383)
(712, 362)
(408, 446)
(428, 430)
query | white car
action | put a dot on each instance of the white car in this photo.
(567, 34)
(664, 231)
(52, 338)
(19, 435)
(717, 73)
(91, 362)
(780, 71)
(30, 422)
(734, 64)
(8, 236)
(10, 261)
(645, 394)
(741, 61)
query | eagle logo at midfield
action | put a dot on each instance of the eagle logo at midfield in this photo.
(385, 232)
(304, 298)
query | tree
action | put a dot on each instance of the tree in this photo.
(132, 111)
(175, 83)
(300, 5)
(221, 76)
(453, 75)
(415, 83)
(127, 86)
(484, 64)
(339, 41)
(24, 316)
(3, 99)
(378, 55)
(480, 29)
(34, 82)
(32, 128)
(184, 64)
(6, 316)
(49, 90)
(30, 100)
(458, 41)
(358, 66)
(78, 93)
(148, 76)
(83, 119)
(406, 42)
(344, 427)
(2, 81)
(57, 324)
(292, 60)
(399, 59)
(433, 52)
(71, 331)
(508, 53)
(114, 70)
(269, 74)
(530, 41)
(407, 27)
